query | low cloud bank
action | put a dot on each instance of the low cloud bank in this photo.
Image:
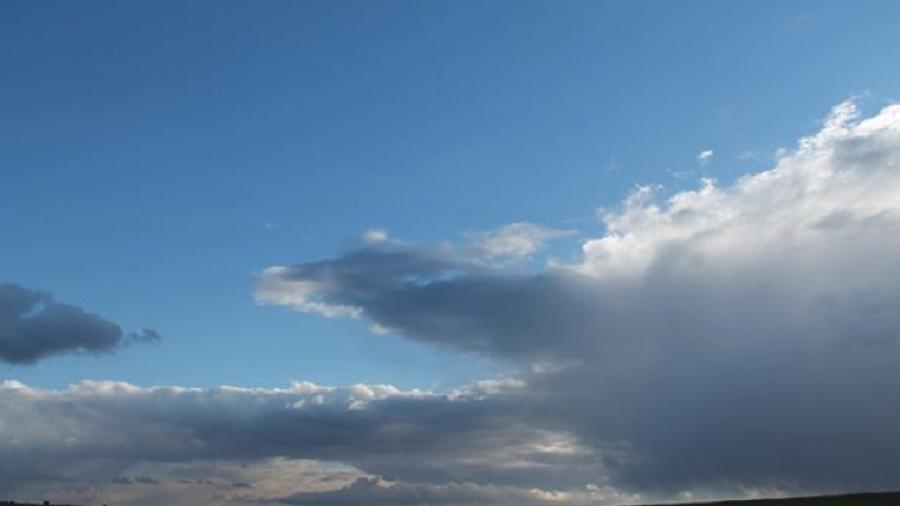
(110, 436)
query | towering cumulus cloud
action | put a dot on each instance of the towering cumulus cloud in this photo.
(720, 338)
(34, 326)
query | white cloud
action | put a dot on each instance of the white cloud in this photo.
(705, 156)
(375, 235)
(515, 240)
(846, 172)
(275, 286)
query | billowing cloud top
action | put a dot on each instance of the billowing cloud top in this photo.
(34, 326)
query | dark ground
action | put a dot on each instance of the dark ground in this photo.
(873, 499)
(16, 503)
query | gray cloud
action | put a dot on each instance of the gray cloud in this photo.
(479, 435)
(720, 339)
(144, 336)
(431, 298)
(34, 326)
(373, 491)
(753, 386)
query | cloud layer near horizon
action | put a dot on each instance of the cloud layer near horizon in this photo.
(108, 436)
(721, 341)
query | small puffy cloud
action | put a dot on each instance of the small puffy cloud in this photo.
(375, 235)
(705, 156)
(752, 155)
(515, 240)
(144, 336)
(34, 326)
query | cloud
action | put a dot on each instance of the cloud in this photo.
(108, 435)
(375, 492)
(375, 235)
(33, 326)
(718, 339)
(752, 155)
(515, 240)
(310, 287)
(705, 156)
(183, 483)
(144, 336)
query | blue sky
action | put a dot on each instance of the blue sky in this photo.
(154, 159)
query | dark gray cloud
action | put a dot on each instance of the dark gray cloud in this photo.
(374, 492)
(135, 480)
(708, 382)
(426, 296)
(481, 435)
(34, 326)
(376, 429)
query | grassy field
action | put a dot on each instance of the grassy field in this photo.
(873, 499)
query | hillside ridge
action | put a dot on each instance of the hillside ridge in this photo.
(856, 499)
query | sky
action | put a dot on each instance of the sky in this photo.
(492, 252)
